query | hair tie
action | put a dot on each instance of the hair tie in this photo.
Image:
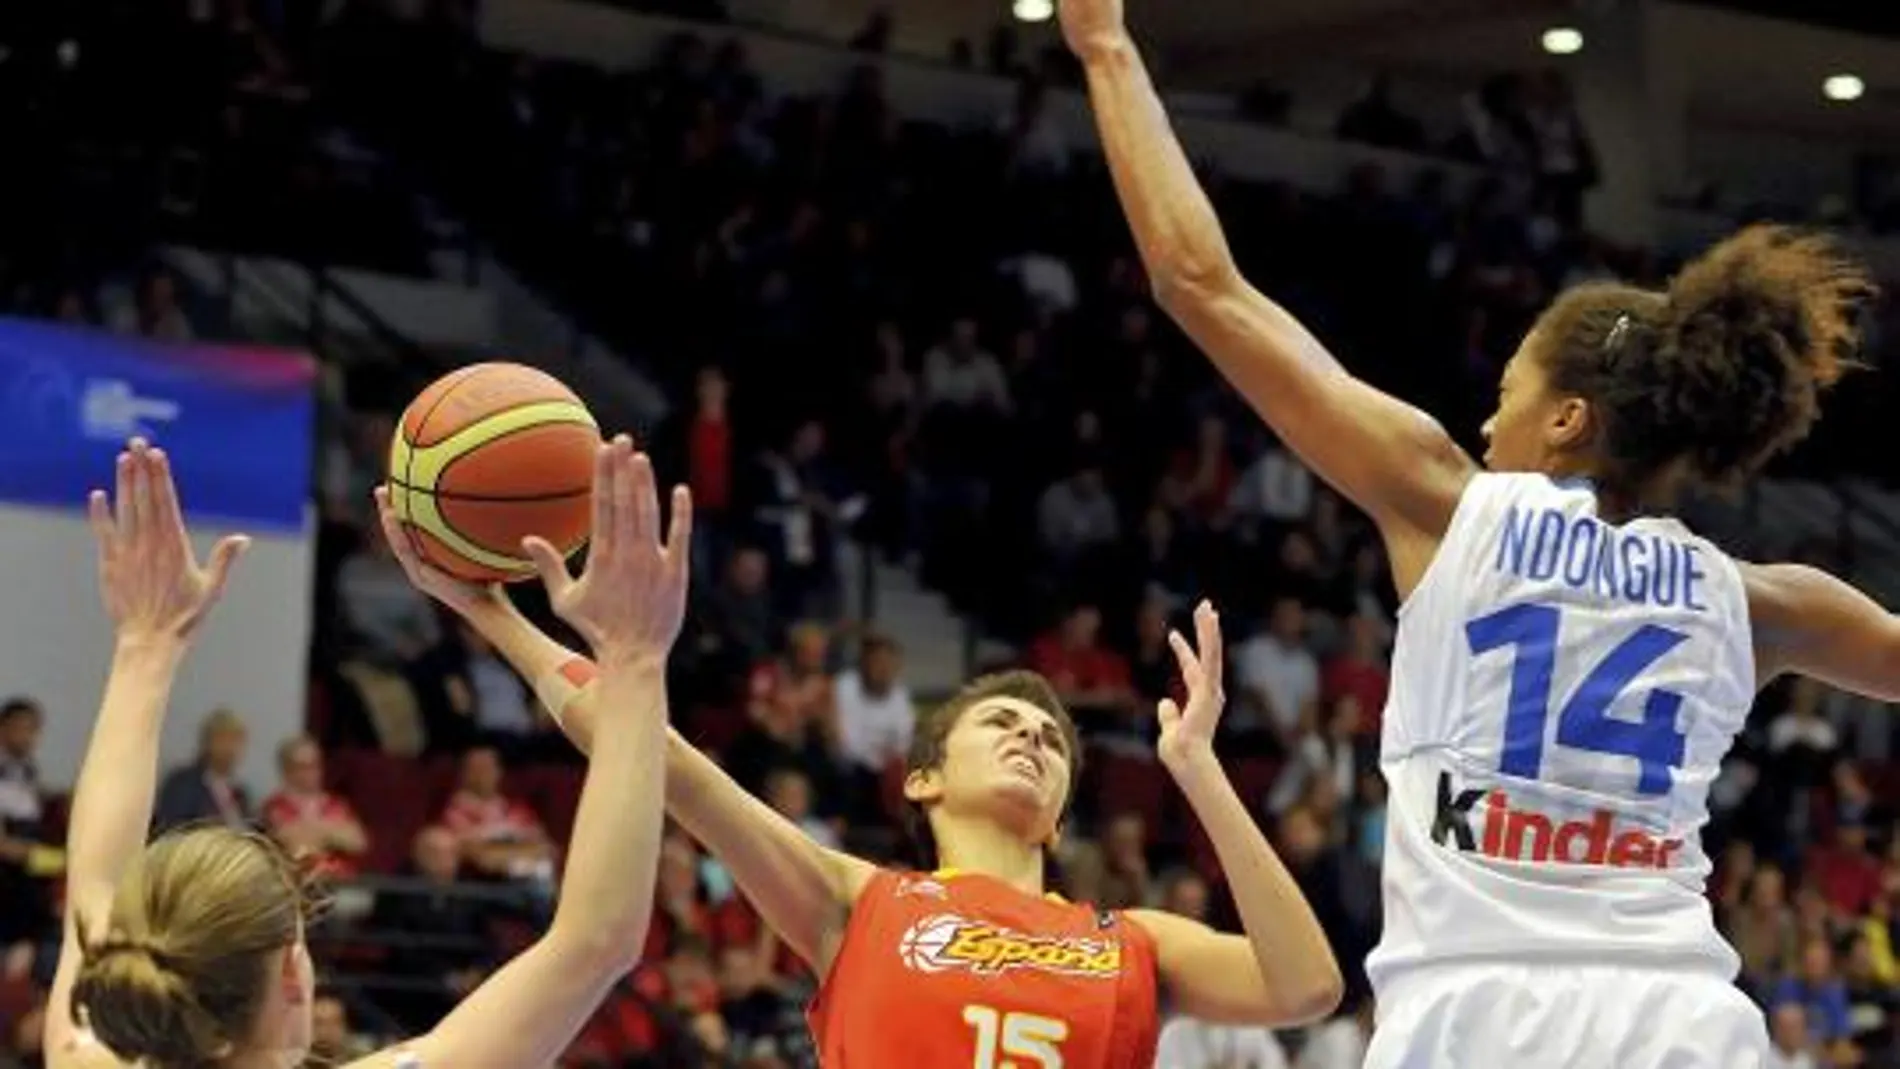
(135, 946)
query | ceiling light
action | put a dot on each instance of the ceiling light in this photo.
(1843, 87)
(1563, 40)
(1034, 10)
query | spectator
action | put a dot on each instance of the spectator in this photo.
(332, 1040)
(1844, 871)
(1276, 489)
(1820, 992)
(490, 697)
(788, 792)
(309, 821)
(764, 1022)
(1763, 930)
(1125, 881)
(738, 626)
(499, 837)
(1358, 671)
(1200, 481)
(26, 862)
(1278, 678)
(803, 510)
(437, 931)
(155, 312)
(961, 377)
(1092, 680)
(1077, 518)
(876, 714)
(1790, 1045)
(208, 787)
(1374, 119)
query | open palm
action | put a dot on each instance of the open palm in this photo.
(631, 597)
(1186, 729)
(149, 578)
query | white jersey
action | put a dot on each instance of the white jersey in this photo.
(1563, 692)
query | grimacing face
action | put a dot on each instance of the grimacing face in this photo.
(1004, 759)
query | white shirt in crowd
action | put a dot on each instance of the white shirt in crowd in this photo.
(873, 730)
(1287, 675)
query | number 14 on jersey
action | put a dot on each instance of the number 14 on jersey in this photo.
(1584, 722)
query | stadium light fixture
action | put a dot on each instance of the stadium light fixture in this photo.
(1563, 40)
(1843, 87)
(1034, 10)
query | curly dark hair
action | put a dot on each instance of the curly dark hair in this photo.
(1707, 380)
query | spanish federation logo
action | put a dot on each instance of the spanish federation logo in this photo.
(945, 941)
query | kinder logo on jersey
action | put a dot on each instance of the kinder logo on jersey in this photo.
(946, 941)
(1492, 823)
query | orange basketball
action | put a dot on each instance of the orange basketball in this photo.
(486, 456)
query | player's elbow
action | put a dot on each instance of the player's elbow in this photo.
(1319, 996)
(1186, 285)
(605, 953)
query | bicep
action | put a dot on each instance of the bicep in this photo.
(1389, 458)
(1809, 623)
(525, 1014)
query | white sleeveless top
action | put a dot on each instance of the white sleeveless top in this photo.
(1563, 692)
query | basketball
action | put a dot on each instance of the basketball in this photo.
(486, 456)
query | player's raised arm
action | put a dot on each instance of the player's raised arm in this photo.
(156, 594)
(1282, 972)
(1809, 623)
(1392, 460)
(801, 889)
(628, 604)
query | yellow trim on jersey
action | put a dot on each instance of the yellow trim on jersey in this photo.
(951, 874)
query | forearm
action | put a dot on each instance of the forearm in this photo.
(1295, 960)
(1175, 227)
(607, 888)
(113, 797)
(1174, 224)
(796, 885)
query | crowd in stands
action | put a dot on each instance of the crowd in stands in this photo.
(934, 342)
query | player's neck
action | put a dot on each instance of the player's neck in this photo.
(985, 847)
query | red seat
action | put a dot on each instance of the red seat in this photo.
(1129, 783)
(392, 799)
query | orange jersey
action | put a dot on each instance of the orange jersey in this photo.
(962, 971)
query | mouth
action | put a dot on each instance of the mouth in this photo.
(1023, 761)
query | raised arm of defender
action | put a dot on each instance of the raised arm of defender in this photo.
(1390, 459)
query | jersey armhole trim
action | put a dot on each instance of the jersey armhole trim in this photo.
(1472, 490)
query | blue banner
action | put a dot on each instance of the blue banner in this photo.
(238, 422)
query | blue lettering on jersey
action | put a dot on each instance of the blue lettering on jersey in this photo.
(1584, 553)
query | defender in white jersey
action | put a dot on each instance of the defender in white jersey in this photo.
(1571, 664)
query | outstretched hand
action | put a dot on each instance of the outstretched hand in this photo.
(459, 596)
(631, 597)
(1188, 731)
(149, 578)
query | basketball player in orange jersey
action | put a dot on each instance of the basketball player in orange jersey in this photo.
(976, 966)
(190, 954)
